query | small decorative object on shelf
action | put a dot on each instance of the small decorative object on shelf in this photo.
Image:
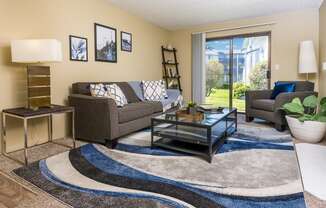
(184, 114)
(210, 108)
(192, 108)
(169, 46)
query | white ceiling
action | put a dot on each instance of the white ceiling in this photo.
(176, 14)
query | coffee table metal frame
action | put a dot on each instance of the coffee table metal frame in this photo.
(212, 145)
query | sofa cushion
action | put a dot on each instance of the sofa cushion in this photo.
(134, 111)
(128, 92)
(156, 105)
(301, 85)
(282, 87)
(137, 87)
(84, 89)
(154, 90)
(264, 104)
(116, 94)
(98, 90)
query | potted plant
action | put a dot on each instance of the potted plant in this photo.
(307, 120)
(192, 108)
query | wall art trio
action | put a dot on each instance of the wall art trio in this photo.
(105, 44)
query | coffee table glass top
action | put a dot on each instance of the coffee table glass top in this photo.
(209, 119)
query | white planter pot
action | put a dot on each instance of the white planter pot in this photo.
(308, 131)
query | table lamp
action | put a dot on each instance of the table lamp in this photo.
(307, 58)
(38, 77)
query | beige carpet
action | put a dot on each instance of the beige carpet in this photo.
(12, 194)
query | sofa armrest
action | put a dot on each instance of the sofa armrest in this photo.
(96, 117)
(283, 98)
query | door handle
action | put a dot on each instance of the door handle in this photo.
(268, 74)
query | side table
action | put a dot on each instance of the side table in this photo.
(27, 114)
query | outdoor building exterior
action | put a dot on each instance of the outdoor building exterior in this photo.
(246, 55)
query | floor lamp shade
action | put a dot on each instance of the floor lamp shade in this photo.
(307, 58)
(36, 51)
(38, 77)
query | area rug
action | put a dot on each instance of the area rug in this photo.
(255, 168)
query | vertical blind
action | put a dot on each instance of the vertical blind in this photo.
(198, 67)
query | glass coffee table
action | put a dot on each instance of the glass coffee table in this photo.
(201, 137)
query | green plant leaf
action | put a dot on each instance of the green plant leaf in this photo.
(297, 101)
(323, 108)
(323, 101)
(310, 101)
(306, 117)
(294, 107)
(322, 119)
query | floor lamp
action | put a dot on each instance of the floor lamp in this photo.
(307, 58)
(38, 77)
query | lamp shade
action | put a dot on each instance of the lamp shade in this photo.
(307, 58)
(36, 51)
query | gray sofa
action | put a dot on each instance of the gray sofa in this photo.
(259, 104)
(99, 120)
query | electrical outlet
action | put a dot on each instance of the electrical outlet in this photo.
(277, 67)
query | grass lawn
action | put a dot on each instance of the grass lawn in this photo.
(220, 97)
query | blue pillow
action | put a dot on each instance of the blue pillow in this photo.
(282, 87)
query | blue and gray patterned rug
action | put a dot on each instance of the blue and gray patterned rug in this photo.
(255, 168)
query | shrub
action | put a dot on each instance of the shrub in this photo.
(258, 76)
(239, 90)
(214, 76)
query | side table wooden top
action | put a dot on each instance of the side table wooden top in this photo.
(25, 112)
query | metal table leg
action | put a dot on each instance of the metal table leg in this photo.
(25, 141)
(50, 128)
(3, 144)
(73, 129)
(210, 147)
(236, 120)
(152, 131)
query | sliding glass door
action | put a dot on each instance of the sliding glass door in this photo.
(236, 64)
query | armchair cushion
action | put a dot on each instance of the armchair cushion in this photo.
(282, 87)
(264, 104)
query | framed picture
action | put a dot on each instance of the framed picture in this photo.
(126, 41)
(78, 48)
(105, 43)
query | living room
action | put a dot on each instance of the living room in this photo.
(117, 158)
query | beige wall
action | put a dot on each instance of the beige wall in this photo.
(289, 30)
(58, 19)
(322, 49)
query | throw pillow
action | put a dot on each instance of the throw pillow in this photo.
(115, 92)
(98, 90)
(154, 90)
(281, 88)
